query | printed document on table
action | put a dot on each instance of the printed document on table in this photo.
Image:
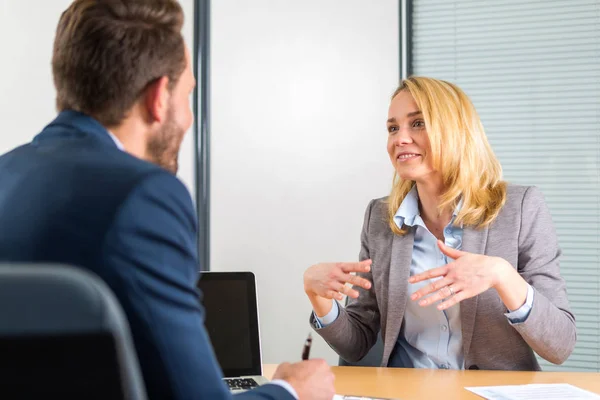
(540, 391)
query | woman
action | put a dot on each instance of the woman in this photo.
(458, 269)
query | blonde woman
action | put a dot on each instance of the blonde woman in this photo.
(458, 269)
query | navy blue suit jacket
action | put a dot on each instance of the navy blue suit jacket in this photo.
(71, 196)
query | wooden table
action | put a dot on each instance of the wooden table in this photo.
(441, 384)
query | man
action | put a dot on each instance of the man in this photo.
(96, 189)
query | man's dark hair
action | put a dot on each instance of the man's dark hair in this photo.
(107, 52)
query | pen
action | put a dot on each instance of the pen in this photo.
(306, 349)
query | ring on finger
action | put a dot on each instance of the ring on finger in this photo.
(451, 290)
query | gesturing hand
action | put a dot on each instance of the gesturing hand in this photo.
(467, 276)
(329, 280)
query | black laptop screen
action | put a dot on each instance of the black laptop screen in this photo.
(229, 299)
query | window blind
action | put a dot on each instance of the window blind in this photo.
(532, 69)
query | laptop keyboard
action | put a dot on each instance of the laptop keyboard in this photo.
(240, 383)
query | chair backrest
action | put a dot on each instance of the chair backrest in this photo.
(372, 359)
(63, 335)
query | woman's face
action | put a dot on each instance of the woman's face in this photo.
(408, 142)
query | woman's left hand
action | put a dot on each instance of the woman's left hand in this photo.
(467, 276)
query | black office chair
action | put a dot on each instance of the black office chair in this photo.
(372, 359)
(63, 335)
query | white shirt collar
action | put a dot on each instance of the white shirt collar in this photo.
(409, 209)
(116, 140)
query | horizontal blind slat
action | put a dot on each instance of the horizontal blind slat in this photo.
(492, 38)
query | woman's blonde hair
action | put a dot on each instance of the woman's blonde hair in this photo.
(460, 151)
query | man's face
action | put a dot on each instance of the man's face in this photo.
(163, 146)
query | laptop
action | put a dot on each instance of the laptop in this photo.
(231, 305)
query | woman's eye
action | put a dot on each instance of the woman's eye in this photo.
(392, 129)
(419, 124)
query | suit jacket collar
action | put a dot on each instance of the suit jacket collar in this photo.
(73, 124)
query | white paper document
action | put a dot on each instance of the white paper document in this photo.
(541, 391)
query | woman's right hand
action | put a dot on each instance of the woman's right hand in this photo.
(329, 280)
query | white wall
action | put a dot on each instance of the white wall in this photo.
(300, 91)
(299, 100)
(26, 89)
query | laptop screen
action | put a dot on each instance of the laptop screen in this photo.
(229, 299)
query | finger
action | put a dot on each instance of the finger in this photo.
(363, 266)
(443, 294)
(433, 287)
(332, 294)
(355, 280)
(449, 251)
(348, 291)
(457, 298)
(319, 364)
(337, 283)
(432, 273)
(334, 278)
(341, 287)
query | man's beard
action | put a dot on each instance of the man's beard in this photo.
(163, 147)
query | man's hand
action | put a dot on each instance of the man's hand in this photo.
(311, 379)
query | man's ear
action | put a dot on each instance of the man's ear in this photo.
(156, 99)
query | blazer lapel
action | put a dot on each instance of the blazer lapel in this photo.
(474, 241)
(397, 292)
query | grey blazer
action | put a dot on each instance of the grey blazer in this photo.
(522, 234)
